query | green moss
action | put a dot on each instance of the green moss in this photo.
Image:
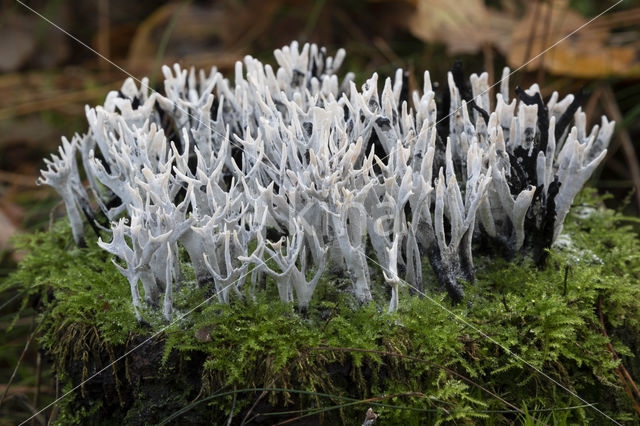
(420, 365)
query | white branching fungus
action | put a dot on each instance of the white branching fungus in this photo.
(290, 172)
(62, 174)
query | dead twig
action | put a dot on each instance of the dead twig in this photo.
(545, 43)
(592, 103)
(25, 389)
(623, 139)
(104, 34)
(622, 372)
(18, 179)
(36, 396)
(532, 32)
(54, 412)
(54, 102)
(15, 370)
(387, 52)
(19, 403)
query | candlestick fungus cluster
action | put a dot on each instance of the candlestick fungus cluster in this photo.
(292, 171)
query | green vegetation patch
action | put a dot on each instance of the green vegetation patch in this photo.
(263, 362)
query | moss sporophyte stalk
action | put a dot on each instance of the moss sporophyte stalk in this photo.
(235, 202)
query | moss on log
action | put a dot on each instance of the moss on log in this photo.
(263, 362)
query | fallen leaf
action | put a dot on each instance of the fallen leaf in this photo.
(204, 333)
(464, 26)
(597, 50)
(589, 53)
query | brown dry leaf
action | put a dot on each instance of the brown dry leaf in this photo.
(589, 53)
(204, 333)
(25, 389)
(464, 26)
(595, 51)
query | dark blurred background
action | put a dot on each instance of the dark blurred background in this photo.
(46, 78)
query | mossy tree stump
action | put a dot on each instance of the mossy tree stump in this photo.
(260, 361)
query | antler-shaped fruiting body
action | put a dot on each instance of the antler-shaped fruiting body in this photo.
(62, 174)
(290, 171)
(136, 257)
